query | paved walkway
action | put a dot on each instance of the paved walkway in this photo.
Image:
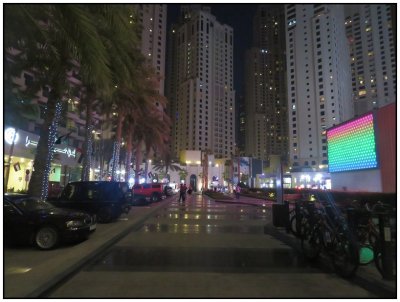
(366, 274)
(30, 273)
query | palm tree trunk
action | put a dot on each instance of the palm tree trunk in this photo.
(146, 163)
(146, 167)
(166, 173)
(128, 157)
(38, 185)
(117, 147)
(101, 155)
(88, 146)
(138, 161)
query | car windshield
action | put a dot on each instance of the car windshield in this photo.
(31, 204)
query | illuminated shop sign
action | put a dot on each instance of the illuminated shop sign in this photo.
(9, 133)
(351, 146)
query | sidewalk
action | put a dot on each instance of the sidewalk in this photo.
(28, 273)
(365, 274)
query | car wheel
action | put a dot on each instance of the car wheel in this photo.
(105, 215)
(46, 238)
(154, 197)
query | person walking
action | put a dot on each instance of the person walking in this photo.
(237, 191)
(182, 192)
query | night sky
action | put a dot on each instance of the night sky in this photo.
(240, 18)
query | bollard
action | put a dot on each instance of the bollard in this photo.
(280, 215)
(385, 242)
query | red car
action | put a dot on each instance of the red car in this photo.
(154, 190)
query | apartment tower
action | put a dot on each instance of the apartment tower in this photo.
(318, 78)
(373, 55)
(200, 83)
(153, 20)
(265, 86)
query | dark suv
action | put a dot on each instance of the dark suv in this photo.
(108, 200)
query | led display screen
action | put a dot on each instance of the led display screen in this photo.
(351, 146)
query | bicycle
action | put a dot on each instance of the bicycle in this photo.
(367, 232)
(328, 232)
(302, 211)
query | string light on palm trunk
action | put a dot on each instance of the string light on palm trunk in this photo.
(88, 155)
(115, 159)
(50, 147)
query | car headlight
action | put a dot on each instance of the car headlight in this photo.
(74, 224)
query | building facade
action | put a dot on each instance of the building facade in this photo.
(318, 79)
(373, 55)
(66, 165)
(265, 86)
(241, 126)
(153, 21)
(200, 83)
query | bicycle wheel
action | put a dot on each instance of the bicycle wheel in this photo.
(293, 229)
(345, 256)
(311, 241)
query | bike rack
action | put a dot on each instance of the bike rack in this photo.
(385, 237)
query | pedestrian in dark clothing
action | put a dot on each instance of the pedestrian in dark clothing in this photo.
(238, 192)
(182, 192)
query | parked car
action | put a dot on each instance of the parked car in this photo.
(107, 199)
(30, 220)
(153, 190)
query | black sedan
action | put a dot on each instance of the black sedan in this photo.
(30, 220)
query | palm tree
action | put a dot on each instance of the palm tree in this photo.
(183, 174)
(166, 163)
(49, 41)
(138, 106)
(120, 35)
(127, 104)
(156, 141)
(150, 135)
(128, 151)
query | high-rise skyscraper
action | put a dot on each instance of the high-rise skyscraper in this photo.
(153, 19)
(373, 56)
(318, 78)
(200, 83)
(265, 86)
(241, 125)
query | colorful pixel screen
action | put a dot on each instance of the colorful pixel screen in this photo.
(351, 146)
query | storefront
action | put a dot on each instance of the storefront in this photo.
(18, 169)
